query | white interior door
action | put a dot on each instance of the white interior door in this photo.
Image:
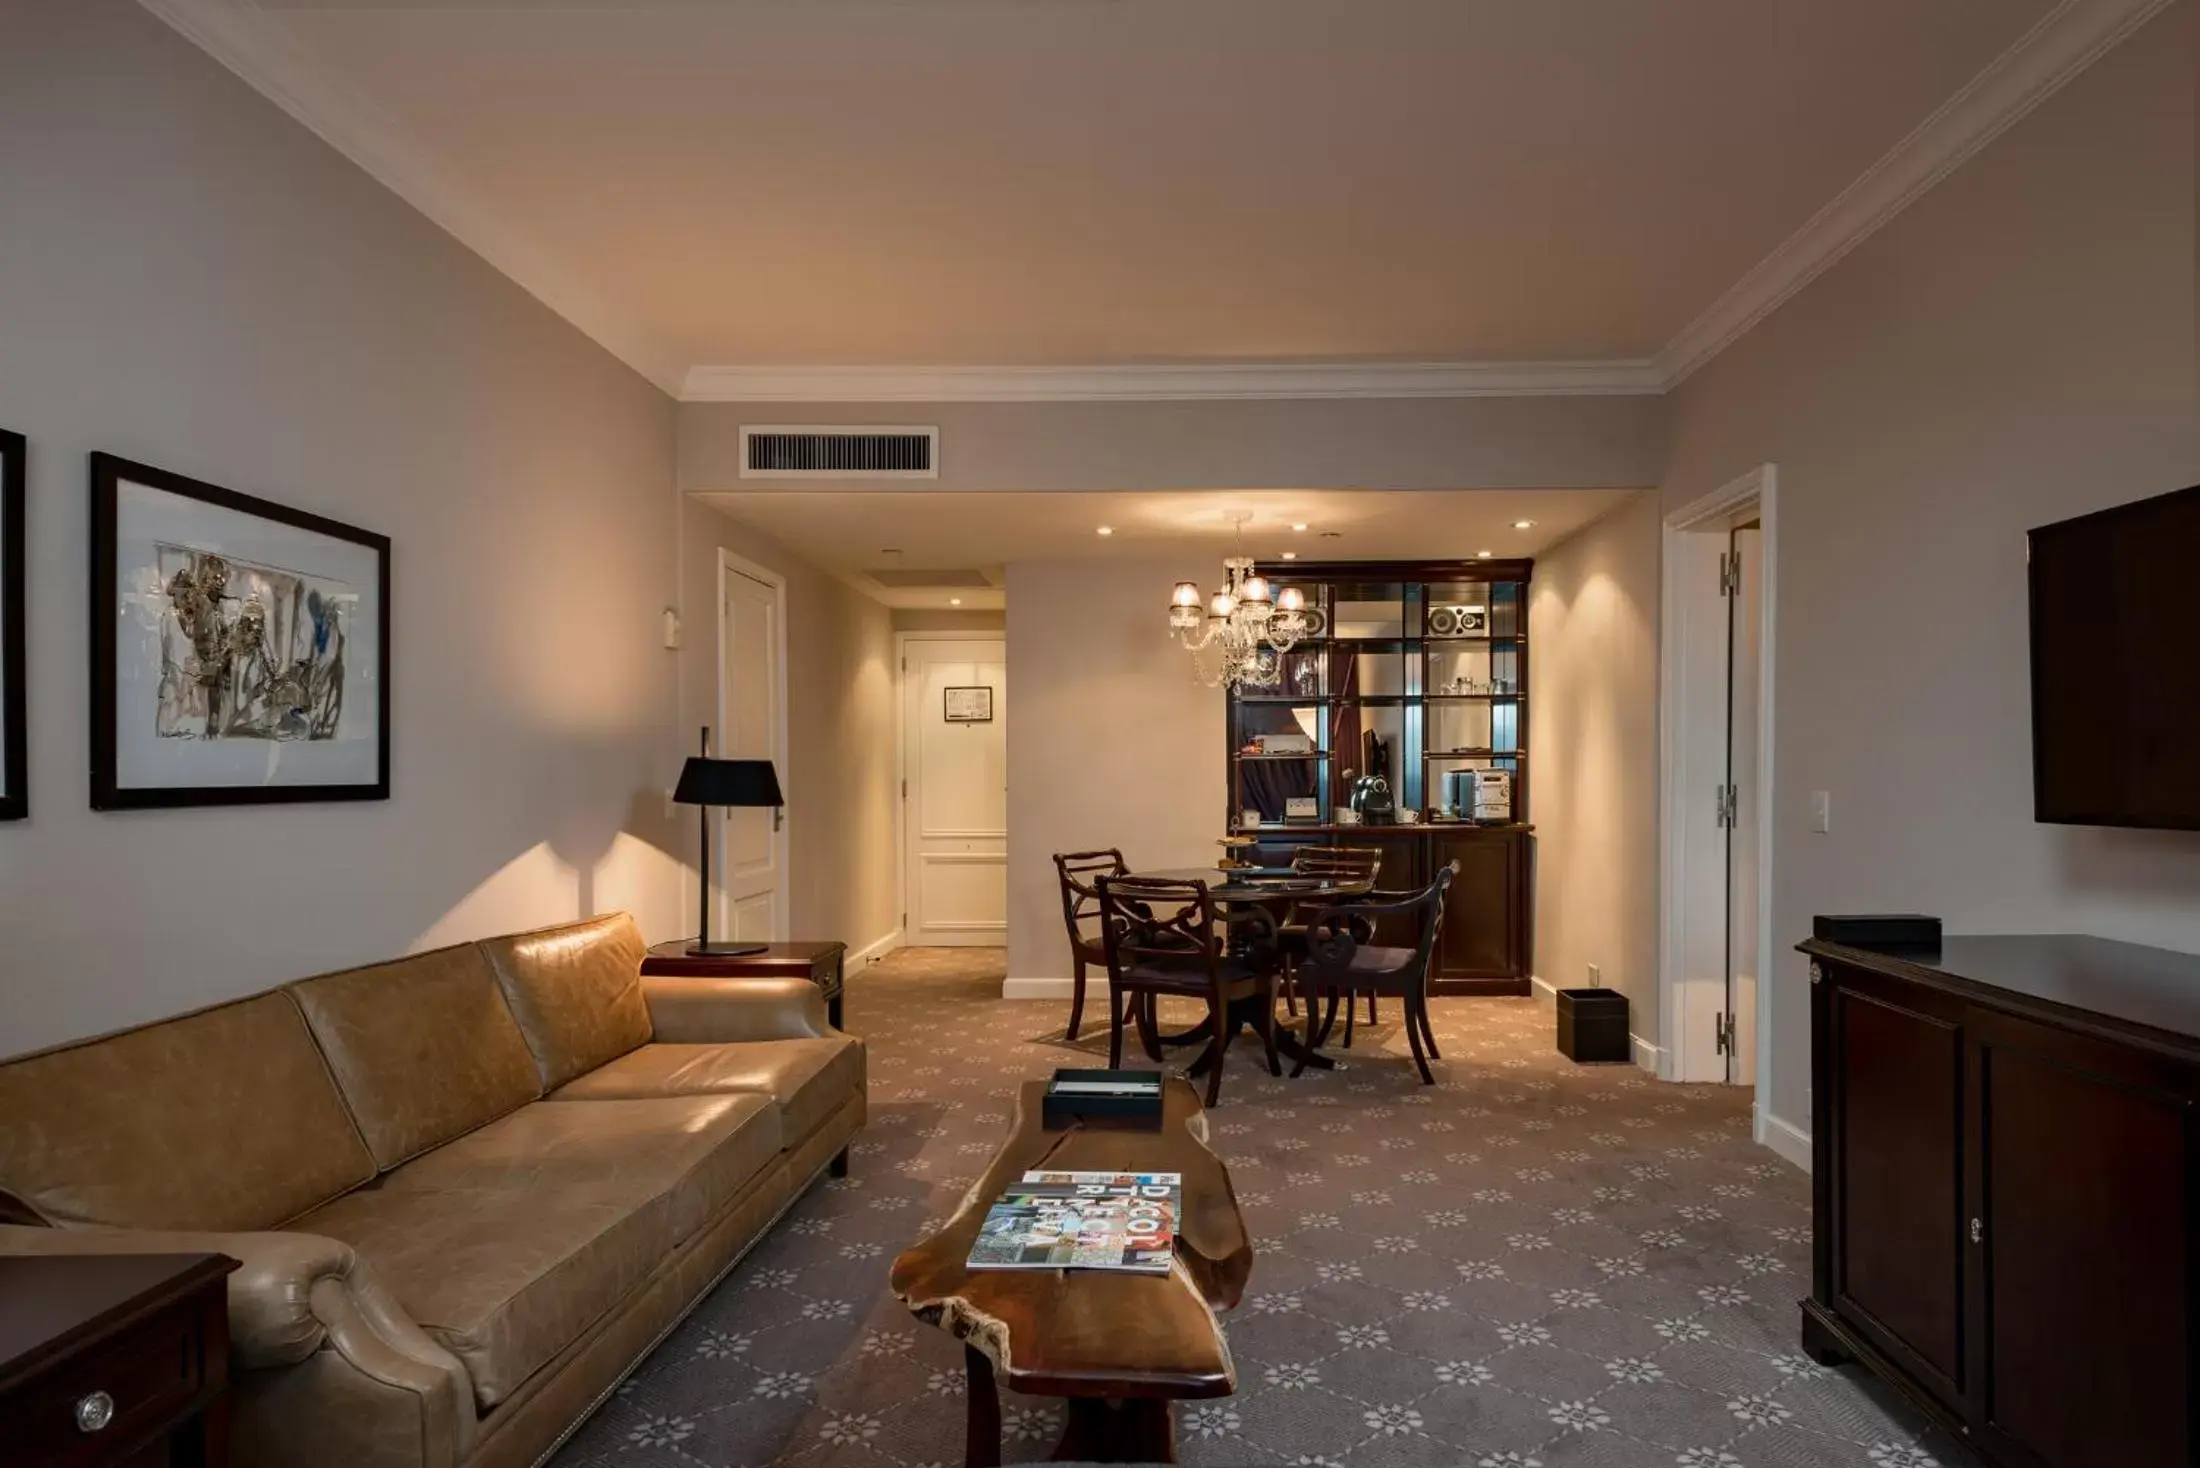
(750, 866)
(955, 791)
(1744, 711)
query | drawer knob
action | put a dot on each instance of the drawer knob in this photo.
(94, 1412)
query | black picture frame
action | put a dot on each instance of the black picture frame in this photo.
(982, 715)
(108, 472)
(15, 769)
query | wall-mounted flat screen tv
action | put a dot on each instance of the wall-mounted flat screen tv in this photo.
(2116, 666)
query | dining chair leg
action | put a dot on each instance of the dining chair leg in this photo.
(1216, 1047)
(1116, 1009)
(1351, 1007)
(1289, 986)
(1313, 1036)
(1428, 1031)
(1413, 1038)
(1149, 1025)
(1076, 998)
(1266, 1015)
(1329, 1017)
(1372, 1016)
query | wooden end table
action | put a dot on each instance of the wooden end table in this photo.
(1120, 1347)
(115, 1359)
(820, 963)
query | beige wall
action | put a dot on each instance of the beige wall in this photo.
(839, 775)
(189, 278)
(1477, 443)
(1593, 747)
(1111, 741)
(2017, 347)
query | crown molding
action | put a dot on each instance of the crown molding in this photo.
(2071, 37)
(257, 48)
(1160, 383)
(2066, 41)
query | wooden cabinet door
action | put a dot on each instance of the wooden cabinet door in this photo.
(2084, 1306)
(1485, 937)
(1892, 1092)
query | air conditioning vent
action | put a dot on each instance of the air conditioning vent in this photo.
(779, 452)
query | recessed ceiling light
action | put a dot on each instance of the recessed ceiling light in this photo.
(1290, 555)
(1481, 555)
(1523, 524)
(1298, 525)
(954, 601)
(1106, 530)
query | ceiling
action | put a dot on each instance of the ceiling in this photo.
(1051, 183)
(851, 534)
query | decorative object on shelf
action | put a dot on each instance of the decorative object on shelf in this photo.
(750, 784)
(240, 648)
(1284, 743)
(971, 705)
(1302, 808)
(14, 642)
(1240, 638)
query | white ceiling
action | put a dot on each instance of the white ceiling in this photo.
(850, 534)
(1083, 183)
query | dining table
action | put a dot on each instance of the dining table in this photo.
(1275, 891)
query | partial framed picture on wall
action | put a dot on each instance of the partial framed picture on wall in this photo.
(240, 648)
(15, 761)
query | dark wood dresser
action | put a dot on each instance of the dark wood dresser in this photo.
(115, 1359)
(2007, 1183)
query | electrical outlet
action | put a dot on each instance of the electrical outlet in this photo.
(1821, 811)
(1596, 976)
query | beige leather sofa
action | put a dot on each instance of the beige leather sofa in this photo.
(470, 1188)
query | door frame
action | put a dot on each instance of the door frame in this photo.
(731, 564)
(901, 760)
(1688, 706)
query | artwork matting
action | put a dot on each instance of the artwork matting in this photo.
(14, 638)
(240, 649)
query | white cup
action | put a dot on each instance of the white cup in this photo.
(1347, 816)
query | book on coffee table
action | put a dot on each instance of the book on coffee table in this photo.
(1121, 1221)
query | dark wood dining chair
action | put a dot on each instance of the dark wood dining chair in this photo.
(1081, 915)
(1338, 963)
(1347, 864)
(1165, 936)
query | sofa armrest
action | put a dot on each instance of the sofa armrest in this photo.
(297, 1294)
(726, 1011)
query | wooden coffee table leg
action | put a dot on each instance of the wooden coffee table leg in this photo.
(982, 1440)
(1138, 1430)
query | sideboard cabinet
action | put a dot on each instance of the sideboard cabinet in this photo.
(2006, 1190)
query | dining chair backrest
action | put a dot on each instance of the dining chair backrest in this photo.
(1332, 943)
(1162, 921)
(1352, 863)
(1080, 898)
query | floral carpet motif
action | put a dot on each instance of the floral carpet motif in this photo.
(1531, 1264)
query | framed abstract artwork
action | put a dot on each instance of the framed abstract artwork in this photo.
(968, 705)
(14, 640)
(240, 648)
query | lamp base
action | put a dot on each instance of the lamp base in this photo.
(726, 950)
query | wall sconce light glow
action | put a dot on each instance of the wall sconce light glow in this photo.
(1105, 530)
(1523, 524)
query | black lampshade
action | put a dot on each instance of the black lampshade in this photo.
(742, 782)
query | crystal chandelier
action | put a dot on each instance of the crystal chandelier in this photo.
(1238, 636)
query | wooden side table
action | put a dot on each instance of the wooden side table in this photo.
(820, 963)
(115, 1359)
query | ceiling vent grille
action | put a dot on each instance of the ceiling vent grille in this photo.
(839, 452)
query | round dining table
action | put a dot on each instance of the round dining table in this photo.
(1275, 890)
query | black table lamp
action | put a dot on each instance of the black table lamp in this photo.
(707, 782)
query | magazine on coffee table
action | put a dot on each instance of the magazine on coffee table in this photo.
(1120, 1221)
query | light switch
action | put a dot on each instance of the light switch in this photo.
(1821, 811)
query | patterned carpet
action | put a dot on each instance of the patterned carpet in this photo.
(1530, 1263)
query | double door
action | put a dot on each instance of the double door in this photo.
(2005, 1221)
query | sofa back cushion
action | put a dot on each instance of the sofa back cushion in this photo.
(224, 1119)
(576, 991)
(424, 1048)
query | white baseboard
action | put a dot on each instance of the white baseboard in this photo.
(871, 953)
(1790, 1141)
(1648, 1056)
(1049, 989)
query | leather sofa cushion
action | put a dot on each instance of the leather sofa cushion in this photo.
(808, 1078)
(509, 1244)
(224, 1119)
(424, 1048)
(576, 991)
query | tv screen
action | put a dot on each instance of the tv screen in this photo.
(2116, 666)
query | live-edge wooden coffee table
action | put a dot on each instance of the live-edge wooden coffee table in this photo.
(1119, 1347)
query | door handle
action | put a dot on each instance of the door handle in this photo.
(779, 816)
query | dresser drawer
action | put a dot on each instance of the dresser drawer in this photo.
(86, 1409)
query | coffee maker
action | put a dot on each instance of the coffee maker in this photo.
(1371, 795)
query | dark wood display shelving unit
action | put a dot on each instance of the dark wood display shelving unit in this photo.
(1393, 680)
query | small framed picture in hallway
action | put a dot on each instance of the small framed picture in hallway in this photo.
(969, 705)
(14, 686)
